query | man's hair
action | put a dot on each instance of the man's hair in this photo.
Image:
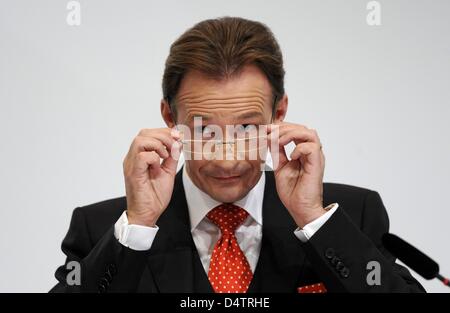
(220, 48)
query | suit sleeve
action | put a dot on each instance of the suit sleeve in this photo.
(349, 258)
(105, 266)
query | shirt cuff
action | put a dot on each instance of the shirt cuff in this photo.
(305, 233)
(135, 237)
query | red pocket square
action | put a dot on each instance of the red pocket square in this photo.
(315, 288)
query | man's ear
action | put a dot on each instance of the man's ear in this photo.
(167, 114)
(280, 112)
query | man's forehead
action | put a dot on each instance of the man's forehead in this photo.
(217, 109)
(247, 95)
(250, 81)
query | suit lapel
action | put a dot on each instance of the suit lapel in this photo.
(281, 258)
(175, 264)
(174, 261)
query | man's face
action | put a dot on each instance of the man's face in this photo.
(246, 100)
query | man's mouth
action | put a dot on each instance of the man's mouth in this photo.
(227, 178)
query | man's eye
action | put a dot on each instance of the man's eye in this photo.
(246, 128)
(250, 127)
(205, 131)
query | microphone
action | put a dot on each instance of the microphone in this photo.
(413, 258)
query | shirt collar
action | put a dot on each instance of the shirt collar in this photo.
(199, 203)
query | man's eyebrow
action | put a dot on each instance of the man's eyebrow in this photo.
(243, 116)
(248, 115)
(191, 117)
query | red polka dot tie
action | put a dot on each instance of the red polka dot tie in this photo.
(229, 270)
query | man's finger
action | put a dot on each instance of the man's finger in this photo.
(166, 135)
(146, 159)
(297, 135)
(277, 151)
(142, 144)
(310, 150)
(170, 163)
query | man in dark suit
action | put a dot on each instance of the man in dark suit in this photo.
(222, 224)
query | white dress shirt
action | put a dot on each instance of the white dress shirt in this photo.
(205, 233)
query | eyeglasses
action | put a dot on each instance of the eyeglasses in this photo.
(240, 141)
(243, 145)
(239, 148)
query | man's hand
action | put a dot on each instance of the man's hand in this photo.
(148, 182)
(299, 180)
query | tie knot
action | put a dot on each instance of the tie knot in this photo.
(227, 217)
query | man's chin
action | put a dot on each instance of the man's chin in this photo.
(226, 194)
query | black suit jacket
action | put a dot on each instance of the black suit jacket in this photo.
(337, 254)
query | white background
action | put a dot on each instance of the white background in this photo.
(72, 99)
